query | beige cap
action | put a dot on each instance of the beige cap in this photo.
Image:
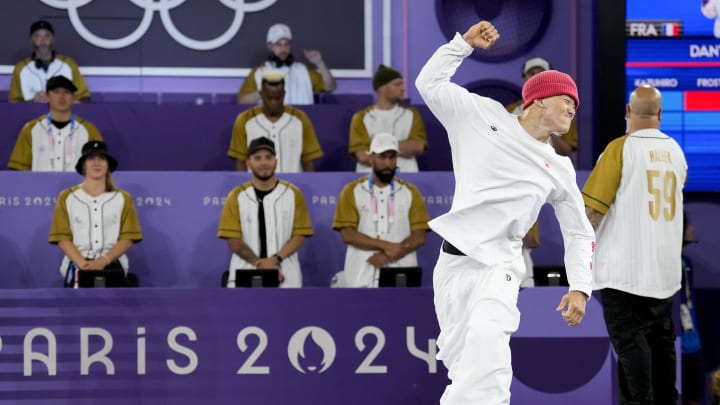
(278, 32)
(383, 142)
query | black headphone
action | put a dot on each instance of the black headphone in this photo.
(41, 64)
(280, 63)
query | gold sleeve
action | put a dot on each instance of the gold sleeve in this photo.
(302, 225)
(60, 226)
(571, 137)
(418, 215)
(82, 93)
(15, 94)
(316, 80)
(511, 108)
(21, 157)
(417, 130)
(93, 132)
(311, 149)
(238, 143)
(230, 227)
(129, 222)
(534, 232)
(249, 85)
(359, 136)
(346, 212)
(602, 185)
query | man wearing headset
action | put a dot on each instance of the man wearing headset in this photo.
(301, 82)
(30, 74)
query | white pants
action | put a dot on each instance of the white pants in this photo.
(476, 307)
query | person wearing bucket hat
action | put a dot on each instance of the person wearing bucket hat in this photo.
(388, 233)
(505, 171)
(564, 144)
(53, 142)
(94, 222)
(296, 141)
(265, 221)
(301, 80)
(388, 115)
(31, 74)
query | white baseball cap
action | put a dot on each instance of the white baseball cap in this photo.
(535, 62)
(383, 142)
(278, 32)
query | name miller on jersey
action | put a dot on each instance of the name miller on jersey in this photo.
(662, 156)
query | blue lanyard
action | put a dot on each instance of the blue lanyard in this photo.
(373, 200)
(51, 139)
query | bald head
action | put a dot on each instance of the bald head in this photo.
(645, 102)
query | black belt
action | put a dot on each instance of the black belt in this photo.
(448, 248)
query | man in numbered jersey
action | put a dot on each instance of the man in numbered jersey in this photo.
(30, 74)
(296, 144)
(53, 142)
(380, 217)
(634, 200)
(265, 221)
(388, 115)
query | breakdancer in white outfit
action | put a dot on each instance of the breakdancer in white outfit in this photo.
(505, 170)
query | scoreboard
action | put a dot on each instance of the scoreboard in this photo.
(671, 45)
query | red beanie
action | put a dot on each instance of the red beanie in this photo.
(547, 84)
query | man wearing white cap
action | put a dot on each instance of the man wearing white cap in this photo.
(301, 82)
(380, 217)
(505, 171)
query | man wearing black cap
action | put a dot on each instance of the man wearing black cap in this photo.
(53, 141)
(388, 115)
(94, 223)
(30, 74)
(265, 220)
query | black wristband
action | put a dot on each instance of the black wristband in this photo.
(278, 259)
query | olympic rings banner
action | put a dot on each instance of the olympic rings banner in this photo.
(189, 37)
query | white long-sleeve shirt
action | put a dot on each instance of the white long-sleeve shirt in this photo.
(503, 175)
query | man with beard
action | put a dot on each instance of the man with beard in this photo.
(382, 218)
(30, 74)
(390, 116)
(288, 127)
(265, 221)
(302, 81)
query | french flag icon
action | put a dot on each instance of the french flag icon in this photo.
(671, 29)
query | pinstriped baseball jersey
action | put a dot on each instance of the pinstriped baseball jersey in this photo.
(286, 215)
(28, 79)
(401, 121)
(354, 210)
(293, 134)
(503, 176)
(94, 223)
(637, 183)
(33, 150)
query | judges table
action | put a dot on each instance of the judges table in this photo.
(272, 346)
(179, 214)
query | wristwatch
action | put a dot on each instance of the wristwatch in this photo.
(278, 259)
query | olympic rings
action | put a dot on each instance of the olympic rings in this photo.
(163, 7)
